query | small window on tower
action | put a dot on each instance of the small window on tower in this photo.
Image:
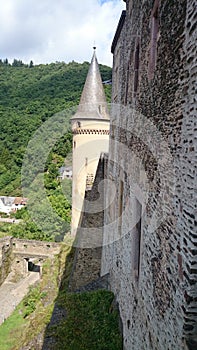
(74, 144)
(86, 161)
(78, 124)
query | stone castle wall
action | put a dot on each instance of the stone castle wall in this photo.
(150, 228)
(88, 242)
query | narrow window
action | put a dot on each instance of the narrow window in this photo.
(86, 161)
(136, 67)
(127, 83)
(120, 208)
(137, 238)
(89, 181)
(74, 144)
(116, 74)
(154, 38)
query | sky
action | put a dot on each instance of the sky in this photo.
(58, 30)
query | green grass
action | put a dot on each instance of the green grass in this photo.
(11, 329)
(4, 229)
(91, 322)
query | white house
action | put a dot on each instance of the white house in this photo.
(65, 173)
(11, 204)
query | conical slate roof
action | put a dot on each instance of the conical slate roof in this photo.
(93, 103)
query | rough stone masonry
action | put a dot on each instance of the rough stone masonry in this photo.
(150, 239)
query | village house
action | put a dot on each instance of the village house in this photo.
(65, 173)
(11, 204)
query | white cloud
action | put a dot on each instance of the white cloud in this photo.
(61, 30)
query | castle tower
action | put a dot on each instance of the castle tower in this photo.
(90, 127)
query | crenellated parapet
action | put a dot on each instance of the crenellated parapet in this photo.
(90, 131)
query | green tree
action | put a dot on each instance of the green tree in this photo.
(31, 64)
(6, 61)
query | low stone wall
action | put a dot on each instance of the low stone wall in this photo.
(6, 257)
(37, 248)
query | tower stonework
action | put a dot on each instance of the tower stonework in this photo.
(90, 127)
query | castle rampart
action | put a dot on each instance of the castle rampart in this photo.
(150, 228)
(89, 237)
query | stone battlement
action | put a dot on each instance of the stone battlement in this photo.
(22, 246)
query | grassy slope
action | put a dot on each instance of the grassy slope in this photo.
(91, 322)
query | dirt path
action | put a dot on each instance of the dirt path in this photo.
(10, 221)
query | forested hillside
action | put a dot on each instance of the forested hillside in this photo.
(29, 95)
